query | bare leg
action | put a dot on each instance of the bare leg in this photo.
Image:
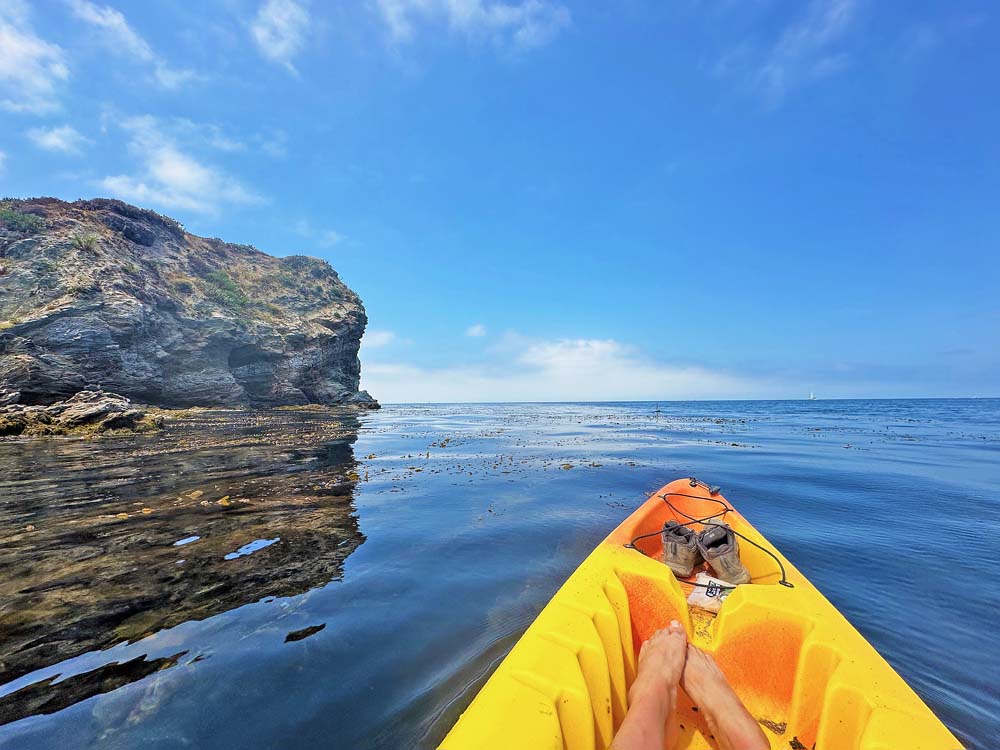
(653, 696)
(728, 719)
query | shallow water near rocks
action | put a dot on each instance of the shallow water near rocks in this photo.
(317, 579)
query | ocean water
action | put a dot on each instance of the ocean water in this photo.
(306, 579)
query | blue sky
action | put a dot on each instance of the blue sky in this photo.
(546, 199)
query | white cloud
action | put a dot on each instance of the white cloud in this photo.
(806, 50)
(170, 177)
(279, 30)
(122, 39)
(3, 162)
(63, 138)
(559, 370)
(329, 238)
(523, 25)
(172, 78)
(476, 330)
(116, 28)
(274, 144)
(31, 69)
(322, 237)
(269, 143)
(209, 134)
(375, 339)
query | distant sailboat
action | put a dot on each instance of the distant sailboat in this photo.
(812, 396)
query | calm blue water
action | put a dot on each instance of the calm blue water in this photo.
(354, 580)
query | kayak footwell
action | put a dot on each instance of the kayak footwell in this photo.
(808, 676)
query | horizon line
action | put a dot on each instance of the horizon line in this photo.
(695, 400)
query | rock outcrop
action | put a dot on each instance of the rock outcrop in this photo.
(88, 412)
(103, 295)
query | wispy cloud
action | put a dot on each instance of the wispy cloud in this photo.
(521, 25)
(274, 143)
(376, 339)
(114, 26)
(279, 31)
(920, 39)
(558, 370)
(476, 330)
(170, 177)
(31, 69)
(122, 39)
(64, 138)
(322, 237)
(3, 162)
(210, 134)
(229, 139)
(172, 78)
(329, 238)
(808, 49)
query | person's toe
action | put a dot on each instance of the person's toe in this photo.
(675, 628)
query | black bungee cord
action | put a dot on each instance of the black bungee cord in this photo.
(710, 519)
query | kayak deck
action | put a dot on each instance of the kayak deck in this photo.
(798, 665)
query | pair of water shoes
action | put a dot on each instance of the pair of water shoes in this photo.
(716, 544)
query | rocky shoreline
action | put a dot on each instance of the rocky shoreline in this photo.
(86, 413)
(97, 413)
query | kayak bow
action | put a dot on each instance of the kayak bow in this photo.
(798, 665)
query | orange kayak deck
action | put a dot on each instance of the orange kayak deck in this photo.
(798, 665)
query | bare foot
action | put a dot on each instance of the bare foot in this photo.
(733, 726)
(661, 661)
(653, 695)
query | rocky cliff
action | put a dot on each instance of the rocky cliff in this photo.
(101, 294)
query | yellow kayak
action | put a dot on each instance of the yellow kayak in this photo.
(799, 666)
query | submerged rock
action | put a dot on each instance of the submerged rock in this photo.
(100, 294)
(87, 412)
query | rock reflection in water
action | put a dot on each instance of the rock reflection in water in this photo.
(50, 695)
(110, 541)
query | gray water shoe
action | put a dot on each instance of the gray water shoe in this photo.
(718, 545)
(680, 548)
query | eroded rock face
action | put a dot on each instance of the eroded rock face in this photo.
(103, 295)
